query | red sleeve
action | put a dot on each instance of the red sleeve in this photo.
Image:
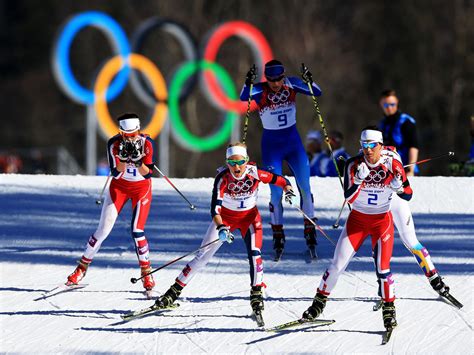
(148, 150)
(397, 169)
(274, 179)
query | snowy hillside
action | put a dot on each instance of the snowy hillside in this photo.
(46, 220)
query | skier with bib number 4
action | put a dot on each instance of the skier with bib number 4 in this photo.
(233, 207)
(276, 101)
(370, 180)
(130, 156)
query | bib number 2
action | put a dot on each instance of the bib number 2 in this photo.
(372, 200)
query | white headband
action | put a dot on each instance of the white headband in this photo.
(370, 135)
(236, 150)
(129, 125)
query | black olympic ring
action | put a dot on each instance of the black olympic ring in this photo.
(188, 44)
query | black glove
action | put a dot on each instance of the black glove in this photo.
(306, 74)
(251, 75)
(290, 197)
(136, 153)
(123, 154)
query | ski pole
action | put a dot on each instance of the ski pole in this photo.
(253, 70)
(134, 279)
(99, 200)
(315, 224)
(191, 206)
(336, 225)
(430, 159)
(309, 81)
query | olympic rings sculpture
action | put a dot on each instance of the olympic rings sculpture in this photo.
(154, 91)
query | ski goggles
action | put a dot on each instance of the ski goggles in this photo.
(389, 104)
(233, 162)
(126, 135)
(367, 145)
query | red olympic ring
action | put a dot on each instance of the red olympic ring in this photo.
(259, 45)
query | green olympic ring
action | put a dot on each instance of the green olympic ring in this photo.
(187, 138)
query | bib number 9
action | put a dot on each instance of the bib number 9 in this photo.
(282, 120)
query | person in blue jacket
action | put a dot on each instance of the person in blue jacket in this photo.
(276, 101)
(399, 130)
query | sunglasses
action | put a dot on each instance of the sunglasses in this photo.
(232, 162)
(273, 80)
(389, 104)
(367, 145)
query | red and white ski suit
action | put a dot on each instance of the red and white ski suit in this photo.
(235, 200)
(126, 185)
(370, 215)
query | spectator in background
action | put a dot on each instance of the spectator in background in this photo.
(339, 153)
(314, 152)
(399, 130)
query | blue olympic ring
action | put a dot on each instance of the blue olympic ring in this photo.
(62, 68)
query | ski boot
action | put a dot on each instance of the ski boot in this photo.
(148, 281)
(388, 313)
(170, 296)
(256, 302)
(315, 310)
(78, 274)
(278, 240)
(310, 236)
(437, 283)
(256, 299)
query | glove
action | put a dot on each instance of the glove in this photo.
(306, 74)
(224, 233)
(136, 152)
(361, 173)
(251, 75)
(122, 154)
(290, 197)
(397, 184)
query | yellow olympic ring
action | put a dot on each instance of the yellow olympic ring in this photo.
(107, 73)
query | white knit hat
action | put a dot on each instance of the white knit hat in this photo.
(371, 135)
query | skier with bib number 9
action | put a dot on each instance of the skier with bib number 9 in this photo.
(130, 156)
(276, 101)
(233, 207)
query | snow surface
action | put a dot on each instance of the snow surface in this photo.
(46, 220)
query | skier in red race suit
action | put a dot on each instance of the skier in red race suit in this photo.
(233, 207)
(130, 156)
(369, 182)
